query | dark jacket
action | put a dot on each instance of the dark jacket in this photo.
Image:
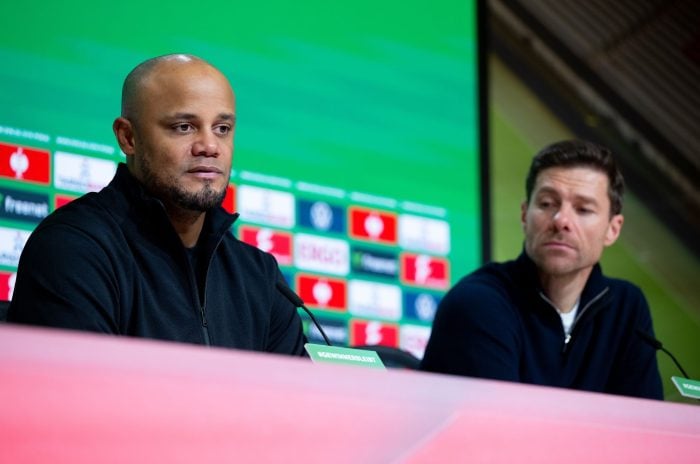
(111, 262)
(496, 324)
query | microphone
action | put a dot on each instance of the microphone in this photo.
(299, 303)
(657, 345)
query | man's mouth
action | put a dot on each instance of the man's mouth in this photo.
(205, 172)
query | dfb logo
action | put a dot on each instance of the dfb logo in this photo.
(25, 164)
(373, 225)
(322, 292)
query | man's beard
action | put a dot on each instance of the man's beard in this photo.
(171, 192)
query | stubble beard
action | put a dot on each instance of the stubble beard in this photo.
(171, 192)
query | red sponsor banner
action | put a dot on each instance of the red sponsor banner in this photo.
(373, 333)
(322, 292)
(62, 200)
(7, 283)
(22, 163)
(373, 225)
(425, 271)
(275, 242)
(229, 203)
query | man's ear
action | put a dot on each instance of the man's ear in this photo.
(614, 229)
(124, 131)
(523, 213)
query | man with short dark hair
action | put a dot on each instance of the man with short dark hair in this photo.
(551, 317)
(152, 254)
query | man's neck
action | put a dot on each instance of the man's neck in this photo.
(187, 224)
(564, 290)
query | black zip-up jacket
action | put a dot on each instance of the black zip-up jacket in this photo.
(495, 323)
(111, 262)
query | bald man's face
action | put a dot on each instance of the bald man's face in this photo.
(182, 143)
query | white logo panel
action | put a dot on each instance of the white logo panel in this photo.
(265, 206)
(12, 242)
(82, 173)
(321, 254)
(373, 299)
(414, 339)
(424, 234)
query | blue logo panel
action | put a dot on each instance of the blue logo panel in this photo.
(321, 216)
(420, 306)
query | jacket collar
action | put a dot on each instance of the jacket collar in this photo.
(527, 272)
(218, 221)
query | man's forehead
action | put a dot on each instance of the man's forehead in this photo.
(571, 177)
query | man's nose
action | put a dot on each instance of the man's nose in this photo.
(561, 217)
(206, 144)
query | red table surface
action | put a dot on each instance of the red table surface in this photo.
(77, 398)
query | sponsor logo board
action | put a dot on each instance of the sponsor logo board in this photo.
(276, 242)
(321, 216)
(322, 292)
(365, 261)
(373, 225)
(11, 244)
(336, 331)
(373, 333)
(229, 202)
(23, 206)
(82, 173)
(425, 271)
(25, 164)
(375, 300)
(7, 285)
(321, 254)
(424, 234)
(266, 206)
(421, 306)
(62, 200)
(414, 339)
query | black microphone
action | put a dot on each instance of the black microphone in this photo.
(299, 303)
(659, 346)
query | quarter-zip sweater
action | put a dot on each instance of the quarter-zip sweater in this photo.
(111, 262)
(496, 323)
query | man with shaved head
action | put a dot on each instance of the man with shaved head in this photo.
(152, 254)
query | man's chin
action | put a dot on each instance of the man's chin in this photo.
(200, 200)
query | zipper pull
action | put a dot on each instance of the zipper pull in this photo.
(204, 316)
(567, 339)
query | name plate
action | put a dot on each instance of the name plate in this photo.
(343, 355)
(687, 387)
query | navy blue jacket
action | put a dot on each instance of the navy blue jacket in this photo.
(111, 262)
(496, 324)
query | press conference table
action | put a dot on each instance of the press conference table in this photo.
(78, 398)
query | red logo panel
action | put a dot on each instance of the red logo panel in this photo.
(275, 242)
(322, 292)
(373, 333)
(373, 225)
(229, 203)
(62, 200)
(22, 163)
(7, 284)
(424, 270)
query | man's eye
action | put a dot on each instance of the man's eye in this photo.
(182, 127)
(222, 130)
